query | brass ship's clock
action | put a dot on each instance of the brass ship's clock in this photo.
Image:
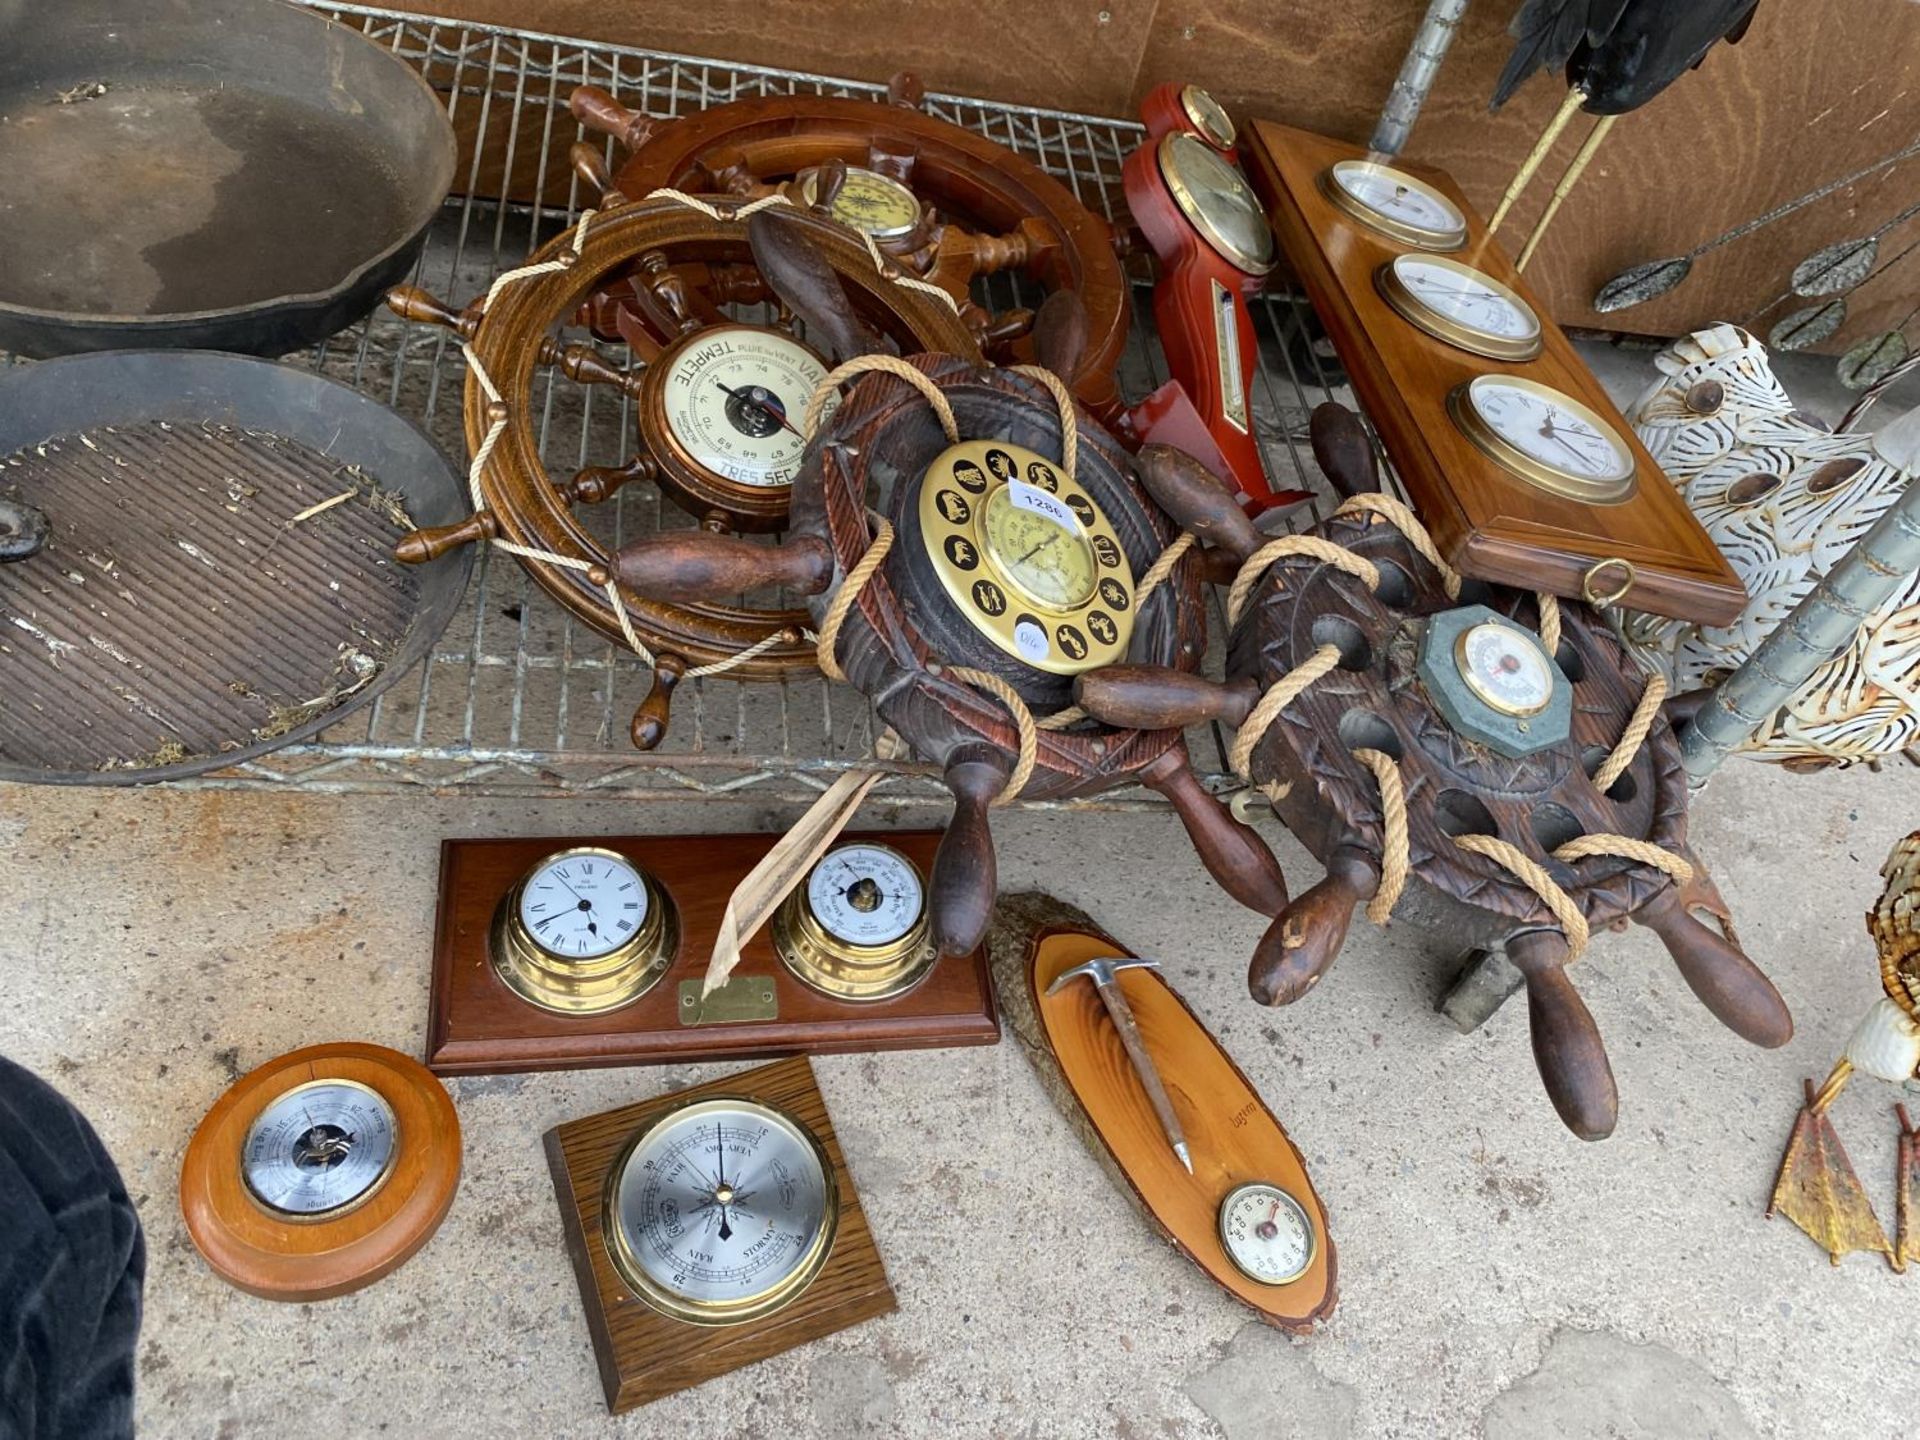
(583, 932)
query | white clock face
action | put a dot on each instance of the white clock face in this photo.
(866, 894)
(1266, 1233)
(581, 905)
(1551, 429)
(1505, 669)
(1399, 199)
(734, 399)
(1469, 299)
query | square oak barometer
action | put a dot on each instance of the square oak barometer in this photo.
(711, 1229)
(1511, 451)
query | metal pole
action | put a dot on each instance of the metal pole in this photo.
(1820, 626)
(1409, 92)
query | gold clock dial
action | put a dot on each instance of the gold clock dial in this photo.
(1216, 199)
(875, 204)
(1396, 204)
(1461, 305)
(1027, 556)
(1208, 116)
(1049, 562)
(1545, 437)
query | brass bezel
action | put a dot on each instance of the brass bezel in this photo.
(936, 530)
(583, 986)
(697, 486)
(1405, 232)
(1550, 478)
(319, 1217)
(1180, 184)
(1473, 681)
(808, 187)
(706, 1312)
(1313, 1231)
(1209, 117)
(840, 969)
(1417, 312)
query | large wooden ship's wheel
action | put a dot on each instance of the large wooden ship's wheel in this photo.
(947, 203)
(1412, 727)
(968, 554)
(717, 407)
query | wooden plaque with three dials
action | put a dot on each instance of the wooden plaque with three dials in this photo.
(1509, 448)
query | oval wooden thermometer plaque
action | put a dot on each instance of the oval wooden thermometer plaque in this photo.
(321, 1171)
(1249, 1187)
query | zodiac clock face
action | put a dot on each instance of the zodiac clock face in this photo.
(1027, 557)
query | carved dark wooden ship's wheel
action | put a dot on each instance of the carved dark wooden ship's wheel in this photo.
(947, 203)
(1381, 691)
(716, 404)
(963, 569)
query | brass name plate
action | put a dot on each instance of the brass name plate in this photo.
(744, 997)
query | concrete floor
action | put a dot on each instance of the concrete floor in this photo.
(1499, 1278)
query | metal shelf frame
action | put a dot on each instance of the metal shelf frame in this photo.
(518, 699)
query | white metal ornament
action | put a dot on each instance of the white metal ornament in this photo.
(1786, 500)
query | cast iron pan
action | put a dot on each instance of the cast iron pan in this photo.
(178, 614)
(220, 174)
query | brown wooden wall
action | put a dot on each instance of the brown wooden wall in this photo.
(1817, 89)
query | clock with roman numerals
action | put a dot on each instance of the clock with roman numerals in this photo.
(584, 931)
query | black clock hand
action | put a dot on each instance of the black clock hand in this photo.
(766, 401)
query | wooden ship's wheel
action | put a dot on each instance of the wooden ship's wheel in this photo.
(967, 554)
(946, 203)
(711, 400)
(1414, 727)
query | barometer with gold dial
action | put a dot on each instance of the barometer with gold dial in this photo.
(1027, 557)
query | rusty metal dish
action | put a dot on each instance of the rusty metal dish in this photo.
(226, 174)
(197, 602)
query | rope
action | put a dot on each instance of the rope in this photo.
(566, 261)
(1282, 693)
(1395, 848)
(1625, 847)
(1312, 546)
(888, 272)
(1533, 875)
(886, 365)
(1638, 725)
(842, 603)
(1401, 517)
(1022, 721)
(1069, 422)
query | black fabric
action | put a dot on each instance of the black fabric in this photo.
(72, 1260)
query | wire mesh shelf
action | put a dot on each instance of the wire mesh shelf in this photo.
(519, 698)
